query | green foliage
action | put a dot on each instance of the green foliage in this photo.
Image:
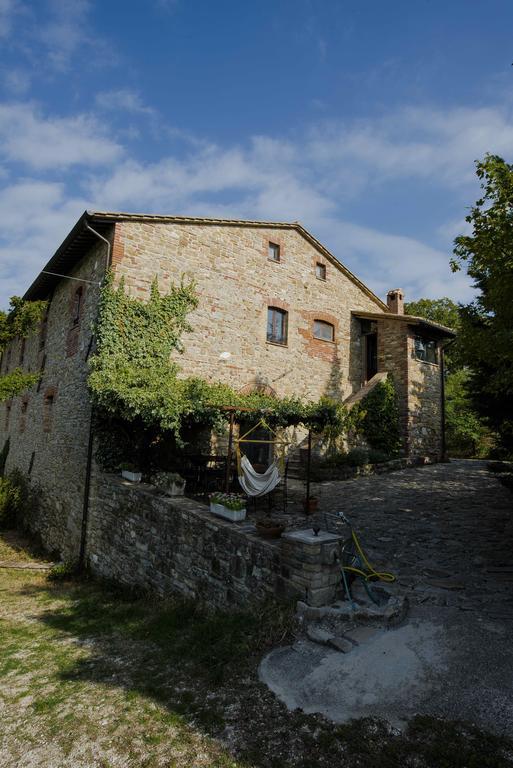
(466, 434)
(20, 320)
(487, 322)
(445, 312)
(379, 418)
(10, 502)
(134, 380)
(3, 456)
(15, 382)
(62, 572)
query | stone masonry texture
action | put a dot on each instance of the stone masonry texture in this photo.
(236, 282)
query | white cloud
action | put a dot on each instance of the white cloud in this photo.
(308, 178)
(123, 100)
(39, 142)
(8, 10)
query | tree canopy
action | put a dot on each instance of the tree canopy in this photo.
(486, 330)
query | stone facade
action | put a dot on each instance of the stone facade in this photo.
(48, 427)
(236, 281)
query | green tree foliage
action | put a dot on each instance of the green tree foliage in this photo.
(18, 322)
(487, 323)
(379, 418)
(446, 312)
(466, 435)
(136, 380)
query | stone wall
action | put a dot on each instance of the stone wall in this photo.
(236, 282)
(48, 426)
(139, 538)
(424, 406)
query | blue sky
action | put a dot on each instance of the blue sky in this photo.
(360, 119)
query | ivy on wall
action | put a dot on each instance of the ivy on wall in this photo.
(135, 379)
(18, 322)
(378, 419)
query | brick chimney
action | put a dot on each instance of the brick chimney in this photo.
(395, 301)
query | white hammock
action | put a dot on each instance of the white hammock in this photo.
(254, 483)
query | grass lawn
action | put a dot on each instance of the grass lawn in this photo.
(93, 676)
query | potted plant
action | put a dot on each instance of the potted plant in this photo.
(169, 483)
(270, 527)
(131, 472)
(231, 506)
(310, 505)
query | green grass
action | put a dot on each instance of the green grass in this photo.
(88, 668)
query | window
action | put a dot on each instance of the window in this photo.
(277, 325)
(42, 331)
(48, 411)
(426, 350)
(320, 271)
(77, 305)
(22, 351)
(274, 252)
(324, 331)
(7, 416)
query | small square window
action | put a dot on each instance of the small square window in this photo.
(426, 350)
(320, 271)
(274, 252)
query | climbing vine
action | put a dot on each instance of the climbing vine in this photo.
(18, 322)
(379, 418)
(135, 378)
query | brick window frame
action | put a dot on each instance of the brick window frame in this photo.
(7, 417)
(276, 241)
(321, 271)
(49, 398)
(23, 413)
(277, 323)
(326, 324)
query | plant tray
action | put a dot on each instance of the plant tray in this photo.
(234, 515)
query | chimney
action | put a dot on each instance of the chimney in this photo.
(395, 301)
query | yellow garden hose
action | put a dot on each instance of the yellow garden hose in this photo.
(371, 571)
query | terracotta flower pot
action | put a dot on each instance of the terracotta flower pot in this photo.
(271, 529)
(311, 505)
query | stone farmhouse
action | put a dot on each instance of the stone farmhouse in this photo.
(276, 310)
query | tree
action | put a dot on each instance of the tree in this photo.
(466, 435)
(446, 312)
(18, 322)
(487, 322)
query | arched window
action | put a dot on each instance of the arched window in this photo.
(323, 330)
(277, 324)
(77, 305)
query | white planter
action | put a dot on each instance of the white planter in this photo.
(234, 515)
(134, 477)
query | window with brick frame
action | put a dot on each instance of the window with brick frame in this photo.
(320, 271)
(43, 330)
(48, 411)
(8, 408)
(273, 252)
(77, 306)
(23, 413)
(323, 330)
(277, 325)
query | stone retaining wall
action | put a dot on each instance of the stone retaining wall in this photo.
(169, 545)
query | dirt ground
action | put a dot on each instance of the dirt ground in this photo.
(91, 677)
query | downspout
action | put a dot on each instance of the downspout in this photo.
(442, 394)
(89, 461)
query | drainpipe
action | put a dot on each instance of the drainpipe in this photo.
(442, 374)
(89, 461)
